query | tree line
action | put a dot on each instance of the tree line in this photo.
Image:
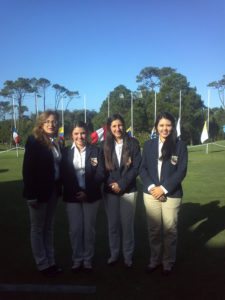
(164, 82)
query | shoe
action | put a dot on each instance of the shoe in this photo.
(52, 271)
(112, 261)
(167, 271)
(128, 264)
(88, 267)
(76, 267)
(151, 268)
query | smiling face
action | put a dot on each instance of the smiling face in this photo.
(79, 136)
(50, 125)
(164, 128)
(117, 128)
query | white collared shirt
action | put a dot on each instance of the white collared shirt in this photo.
(118, 150)
(159, 166)
(79, 165)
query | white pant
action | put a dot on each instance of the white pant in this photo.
(120, 212)
(162, 229)
(82, 219)
(42, 234)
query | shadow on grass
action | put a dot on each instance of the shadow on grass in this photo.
(4, 170)
(199, 272)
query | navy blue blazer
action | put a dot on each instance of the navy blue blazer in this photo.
(125, 176)
(38, 171)
(173, 170)
(94, 174)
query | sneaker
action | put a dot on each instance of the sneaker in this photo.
(128, 264)
(151, 268)
(52, 271)
(112, 261)
(167, 271)
(88, 266)
(76, 267)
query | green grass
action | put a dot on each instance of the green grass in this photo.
(199, 273)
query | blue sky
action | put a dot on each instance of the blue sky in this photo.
(94, 45)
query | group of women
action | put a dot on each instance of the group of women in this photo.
(86, 173)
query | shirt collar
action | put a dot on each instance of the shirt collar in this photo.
(74, 146)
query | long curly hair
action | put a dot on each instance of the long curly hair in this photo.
(169, 146)
(38, 131)
(109, 144)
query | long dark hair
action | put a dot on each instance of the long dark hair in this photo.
(169, 146)
(109, 143)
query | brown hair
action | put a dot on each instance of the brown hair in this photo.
(38, 131)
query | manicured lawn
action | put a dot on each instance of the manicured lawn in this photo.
(200, 270)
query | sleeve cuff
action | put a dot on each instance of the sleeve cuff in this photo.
(164, 190)
(150, 187)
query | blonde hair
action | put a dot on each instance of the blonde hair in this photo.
(38, 130)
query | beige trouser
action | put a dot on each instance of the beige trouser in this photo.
(162, 220)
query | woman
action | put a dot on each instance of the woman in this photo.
(163, 167)
(122, 160)
(82, 174)
(42, 187)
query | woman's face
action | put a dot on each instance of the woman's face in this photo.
(117, 128)
(164, 128)
(79, 136)
(50, 125)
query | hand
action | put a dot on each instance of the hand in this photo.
(115, 187)
(157, 192)
(81, 196)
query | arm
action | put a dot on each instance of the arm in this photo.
(100, 171)
(132, 171)
(144, 168)
(176, 178)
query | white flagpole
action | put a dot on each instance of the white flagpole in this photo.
(14, 119)
(62, 114)
(207, 145)
(132, 114)
(155, 109)
(180, 107)
(85, 110)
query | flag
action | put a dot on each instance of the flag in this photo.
(61, 133)
(178, 128)
(16, 137)
(129, 131)
(98, 135)
(153, 134)
(204, 135)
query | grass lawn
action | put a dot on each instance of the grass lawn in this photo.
(200, 270)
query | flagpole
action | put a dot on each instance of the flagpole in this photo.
(155, 109)
(85, 112)
(180, 106)
(207, 146)
(132, 114)
(62, 115)
(14, 119)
